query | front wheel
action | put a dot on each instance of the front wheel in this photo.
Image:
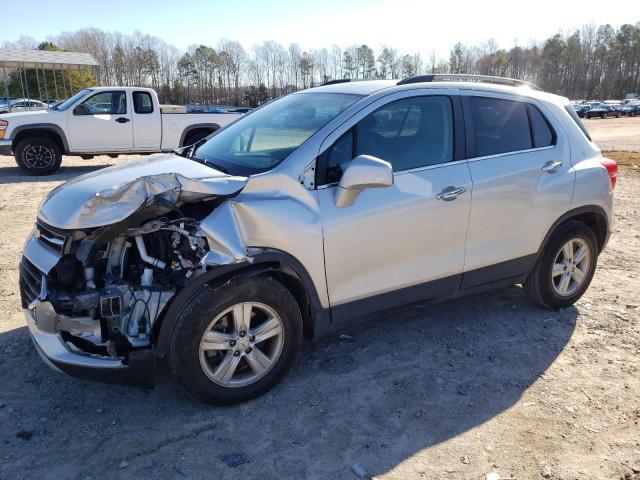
(565, 268)
(38, 155)
(235, 342)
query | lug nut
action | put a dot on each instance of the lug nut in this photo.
(252, 338)
(243, 333)
(232, 343)
(236, 353)
(248, 350)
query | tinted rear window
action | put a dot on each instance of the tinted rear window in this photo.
(540, 129)
(499, 126)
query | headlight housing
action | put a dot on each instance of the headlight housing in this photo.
(3, 127)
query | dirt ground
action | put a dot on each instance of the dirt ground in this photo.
(615, 133)
(483, 384)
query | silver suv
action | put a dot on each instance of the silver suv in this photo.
(310, 212)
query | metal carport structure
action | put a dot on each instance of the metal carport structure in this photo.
(42, 61)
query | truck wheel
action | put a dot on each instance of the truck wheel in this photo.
(565, 267)
(38, 155)
(235, 342)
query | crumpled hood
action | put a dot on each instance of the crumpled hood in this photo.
(112, 194)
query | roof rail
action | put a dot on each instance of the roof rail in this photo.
(457, 77)
(333, 82)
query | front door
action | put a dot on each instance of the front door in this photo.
(101, 124)
(406, 242)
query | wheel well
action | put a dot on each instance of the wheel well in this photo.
(596, 222)
(297, 288)
(196, 131)
(39, 132)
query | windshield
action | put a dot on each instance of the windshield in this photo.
(258, 142)
(67, 103)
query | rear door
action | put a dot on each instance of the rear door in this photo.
(401, 243)
(146, 122)
(103, 124)
(522, 182)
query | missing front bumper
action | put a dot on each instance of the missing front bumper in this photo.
(138, 369)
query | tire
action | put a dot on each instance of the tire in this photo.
(543, 285)
(199, 371)
(38, 155)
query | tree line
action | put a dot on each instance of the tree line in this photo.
(591, 62)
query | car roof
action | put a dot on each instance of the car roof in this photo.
(369, 87)
(357, 87)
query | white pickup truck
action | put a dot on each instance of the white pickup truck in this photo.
(99, 121)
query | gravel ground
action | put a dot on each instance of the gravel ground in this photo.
(615, 133)
(488, 383)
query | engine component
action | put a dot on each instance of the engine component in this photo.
(142, 250)
(121, 283)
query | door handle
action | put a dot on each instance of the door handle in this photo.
(450, 193)
(122, 120)
(551, 167)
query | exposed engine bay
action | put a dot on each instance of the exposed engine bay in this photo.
(109, 289)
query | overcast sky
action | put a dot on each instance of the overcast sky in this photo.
(407, 25)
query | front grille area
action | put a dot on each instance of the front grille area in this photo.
(51, 237)
(30, 282)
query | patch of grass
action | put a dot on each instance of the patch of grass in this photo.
(627, 158)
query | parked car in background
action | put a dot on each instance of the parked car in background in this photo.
(240, 109)
(583, 107)
(602, 110)
(22, 105)
(630, 109)
(102, 120)
(318, 208)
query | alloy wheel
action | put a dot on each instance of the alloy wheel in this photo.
(38, 157)
(571, 267)
(241, 344)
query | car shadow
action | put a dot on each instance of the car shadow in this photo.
(17, 175)
(410, 378)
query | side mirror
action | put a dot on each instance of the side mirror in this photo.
(364, 171)
(81, 110)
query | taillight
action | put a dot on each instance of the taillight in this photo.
(612, 168)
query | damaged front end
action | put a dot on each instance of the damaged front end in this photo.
(94, 292)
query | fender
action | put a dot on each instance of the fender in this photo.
(595, 209)
(42, 126)
(213, 126)
(268, 261)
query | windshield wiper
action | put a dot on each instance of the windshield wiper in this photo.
(210, 164)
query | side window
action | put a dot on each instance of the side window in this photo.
(105, 103)
(499, 125)
(142, 102)
(339, 155)
(410, 133)
(543, 135)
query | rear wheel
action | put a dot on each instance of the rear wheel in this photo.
(38, 155)
(565, 268)
(235, 342)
